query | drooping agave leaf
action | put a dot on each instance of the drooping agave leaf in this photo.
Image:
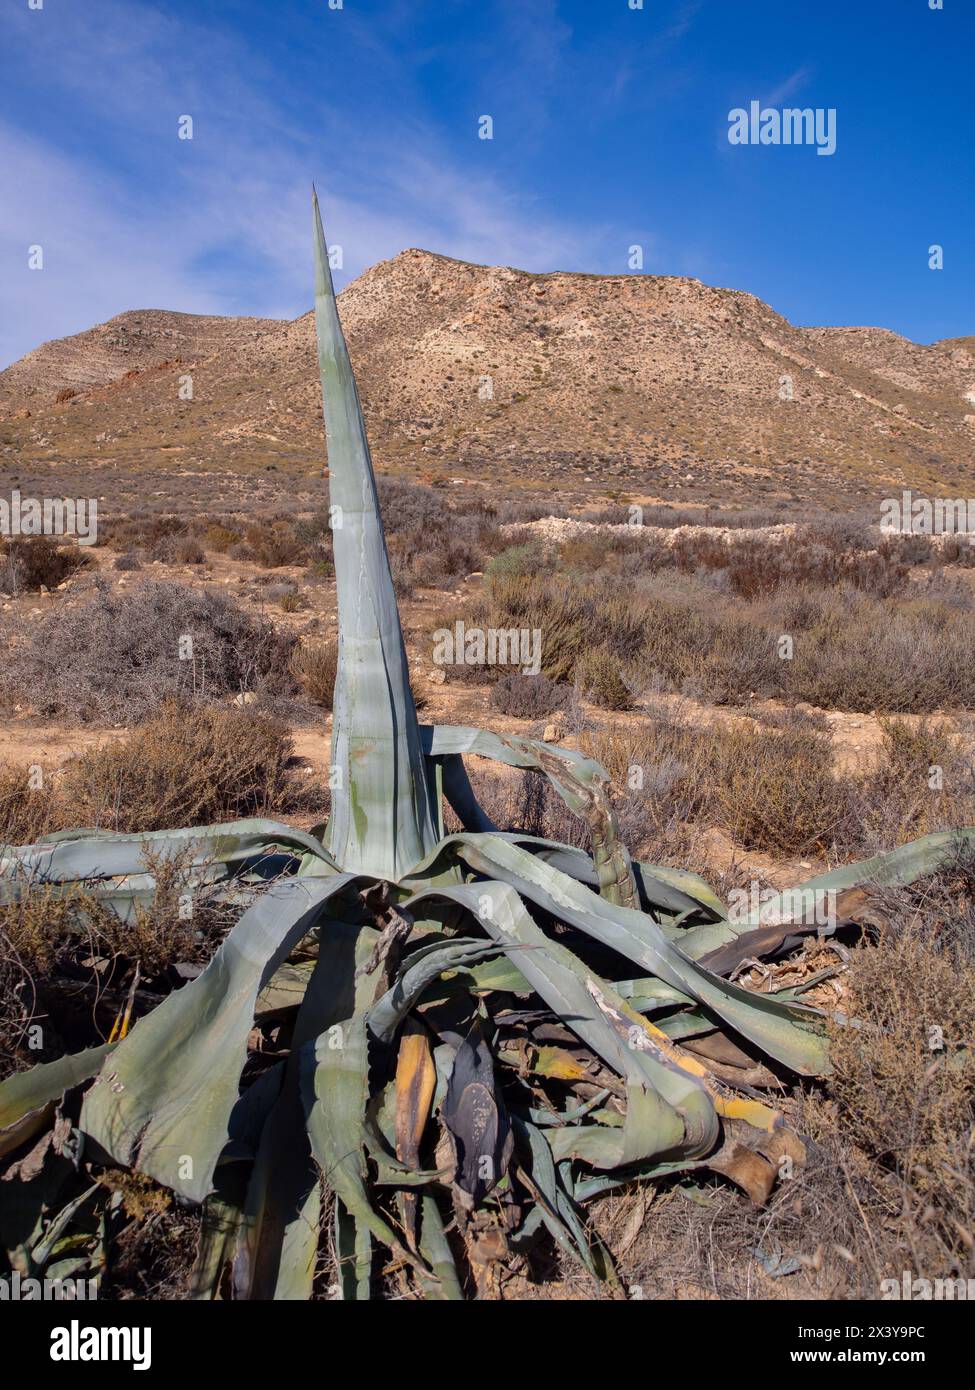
(277, 1241)
(277, 1253)
(79, 856)
(163, 1102)
(793, 911)
(441, 740)
(353, 1254)
(45, 1247)
(384, 820)
(667, 1110)
(790, 1032)
(578, 780)
(646, 994)
(224, 1227)
(420, 969)
(27, 1098)
(581, 782)
(220, 1230)
(693, 890)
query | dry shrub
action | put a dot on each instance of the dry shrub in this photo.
(853, 652)
(67, 960)
(598, 675)
(623, 555)
(923, 780)
(516, 561)
(115, 657)
(220, 537)
(904, 1080)
(669, 630)
(313, 666)
(774, 788)
(771, 791)
(34, 932)
(145, 532)
(529, 697)
(30, 563)
(902, 1095)
(35, 927)
(755, 568)
(862, 639)
(661, 774)
(181, 550)
(275, 545)
(27, 812)
(889, 1181)
(560, 614)
(186, 766)
(777, 792)
(431, 542)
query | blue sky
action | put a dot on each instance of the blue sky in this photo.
(610, 130)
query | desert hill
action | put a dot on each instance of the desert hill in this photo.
(635, 386)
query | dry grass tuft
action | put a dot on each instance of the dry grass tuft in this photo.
(313, 666)
(186, 766)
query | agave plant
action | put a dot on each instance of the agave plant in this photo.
(486, 1029)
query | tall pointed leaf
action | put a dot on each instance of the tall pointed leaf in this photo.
(383, 817)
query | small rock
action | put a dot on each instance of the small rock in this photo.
(552, 733)
(246, 697)
(438, 676)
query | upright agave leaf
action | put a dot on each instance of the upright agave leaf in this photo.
(383, 820)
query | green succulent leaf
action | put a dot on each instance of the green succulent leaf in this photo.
(790, 1032)
(385, 818)
(164, 1100)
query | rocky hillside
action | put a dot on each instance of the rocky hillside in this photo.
(635, 386)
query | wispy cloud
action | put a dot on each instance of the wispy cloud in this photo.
(685, 18)
(788, 86)
(219, 224)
